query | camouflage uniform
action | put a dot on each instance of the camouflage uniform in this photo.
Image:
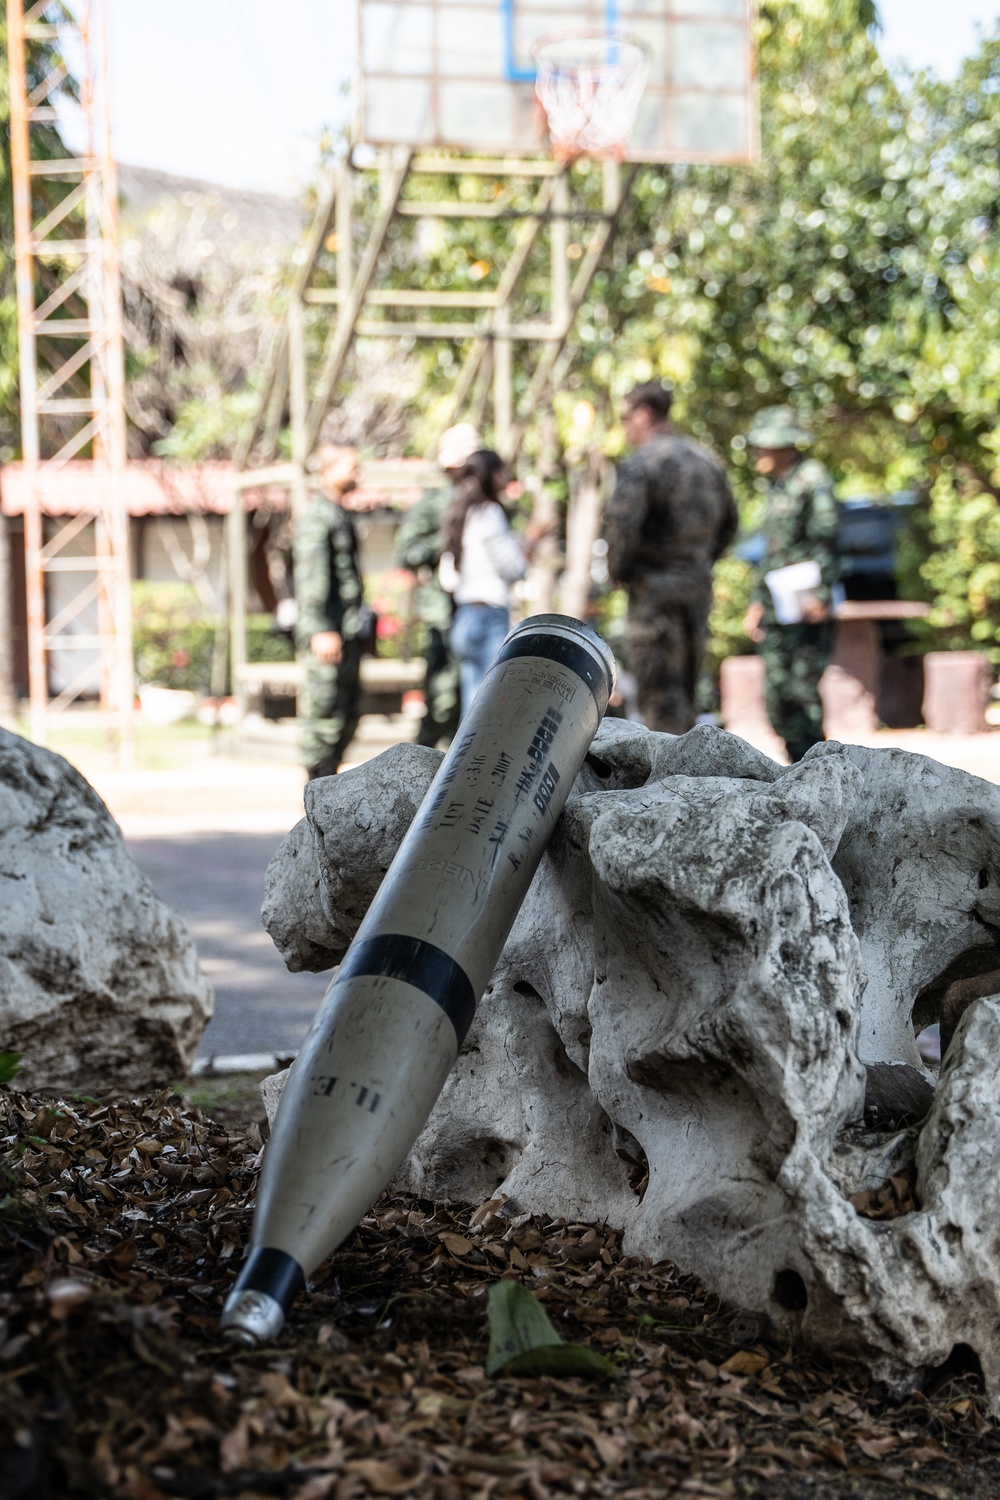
(330, 594)
(799, 525)
(671, 516)
(418, 547)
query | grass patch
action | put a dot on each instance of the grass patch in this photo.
(233, 1099)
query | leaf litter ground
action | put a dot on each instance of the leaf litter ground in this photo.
(121, 1228)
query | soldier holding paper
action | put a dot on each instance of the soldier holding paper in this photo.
(791, 613)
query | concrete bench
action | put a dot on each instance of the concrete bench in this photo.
(384, 680)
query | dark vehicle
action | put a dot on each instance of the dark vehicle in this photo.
(867, 541)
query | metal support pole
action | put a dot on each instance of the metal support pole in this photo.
(278, 370)
(559, 247)
(297, 401)
(503, 383)
(345, 231)
(72, 398)
(582, 529)
(480, 394)
(236, 559)
(28, 367)
(343, 332)
(547, 559)
(616, 190)
(118, 581)
(8, 704)
(524, 243)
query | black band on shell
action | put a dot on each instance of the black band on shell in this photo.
(567, 653)
(273, 1272)
(418, 963)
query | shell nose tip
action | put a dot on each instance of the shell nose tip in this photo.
(241, 1337)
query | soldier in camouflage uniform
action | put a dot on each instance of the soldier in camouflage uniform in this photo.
(671, 516)
(799, 525)
(330, 596)
(418, 548)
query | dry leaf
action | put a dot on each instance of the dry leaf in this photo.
(385, 1478)
(834, 1448)
(234, 1449)
(318, 1487)
(894, 1198)
(160, 1235)
(456, 1244)
(876, 1447)
(744, 1362)
(612, 1450)
(491, 1206)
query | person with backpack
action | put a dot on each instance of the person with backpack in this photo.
(791, 611)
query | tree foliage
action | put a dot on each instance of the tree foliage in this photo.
(201, 315)
(850, 272)
(853, 273)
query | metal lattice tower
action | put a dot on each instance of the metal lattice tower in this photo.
(359, 305)
(72, 374)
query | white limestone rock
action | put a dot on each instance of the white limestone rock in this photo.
(920, 862)
(100, 989)
(324, 877)
(714, 973)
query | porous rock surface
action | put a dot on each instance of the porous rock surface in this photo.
(716, 975)
(100, 989)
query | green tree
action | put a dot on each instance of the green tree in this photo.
(853, 272)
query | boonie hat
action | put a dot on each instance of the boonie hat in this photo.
(457, 445)
(777, 427)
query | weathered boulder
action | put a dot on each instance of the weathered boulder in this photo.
(701, 1027)
(332, 863)
(100, 989)
(920, 862)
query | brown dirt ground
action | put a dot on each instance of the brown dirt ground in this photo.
(121, 1226)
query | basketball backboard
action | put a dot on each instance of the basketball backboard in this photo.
(459, 74)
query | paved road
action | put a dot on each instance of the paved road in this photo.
(203, 831)
(215, 881)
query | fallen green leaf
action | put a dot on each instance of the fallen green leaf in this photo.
(524, 1342)
(562, 1359)
(10, 1066)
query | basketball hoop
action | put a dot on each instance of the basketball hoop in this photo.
(590, 84)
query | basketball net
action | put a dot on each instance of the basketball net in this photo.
(590, 84)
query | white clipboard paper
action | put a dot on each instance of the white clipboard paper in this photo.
(790, 587)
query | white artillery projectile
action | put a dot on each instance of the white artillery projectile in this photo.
(398, 1008)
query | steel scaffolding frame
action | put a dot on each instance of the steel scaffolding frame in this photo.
(360, 308)
(72, 368)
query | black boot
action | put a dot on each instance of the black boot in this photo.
(326, 767)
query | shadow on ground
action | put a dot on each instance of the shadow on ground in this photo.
(215, 881)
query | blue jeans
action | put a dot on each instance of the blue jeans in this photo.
(477, 633)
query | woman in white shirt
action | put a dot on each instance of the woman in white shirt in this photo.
(483, 557)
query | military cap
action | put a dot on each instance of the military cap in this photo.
(777, 427)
